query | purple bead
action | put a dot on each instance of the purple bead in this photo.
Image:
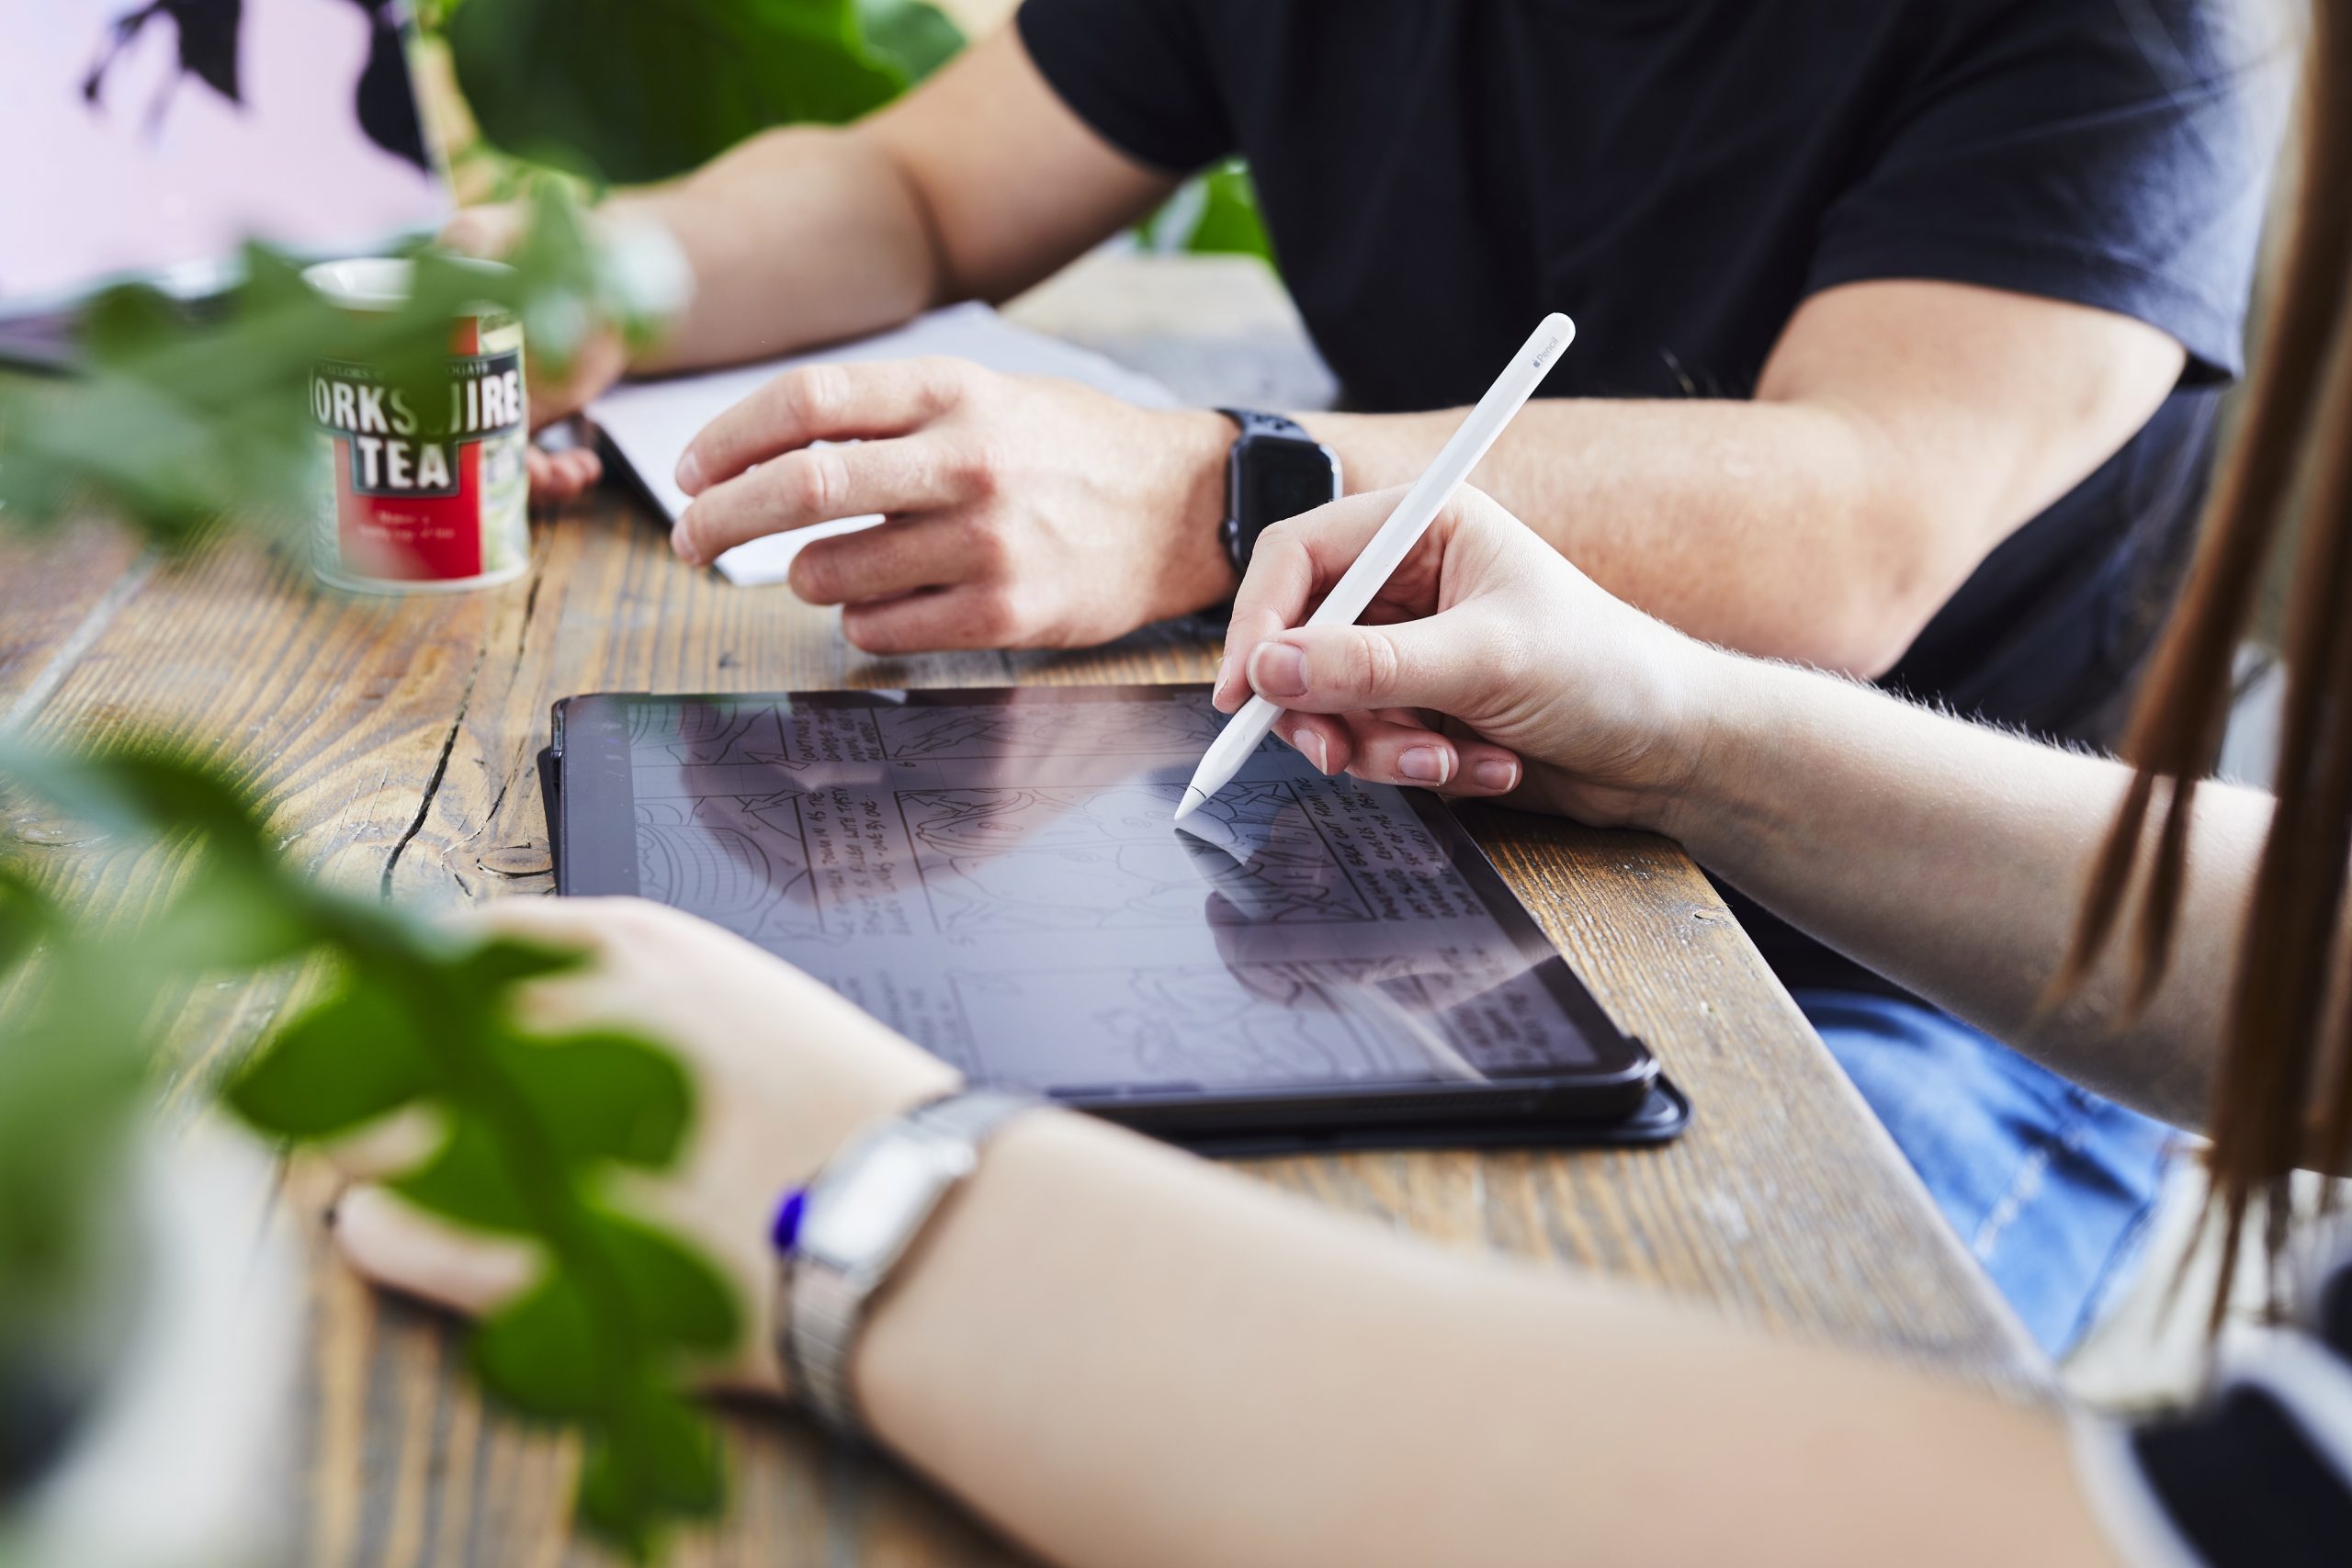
(786, 1232)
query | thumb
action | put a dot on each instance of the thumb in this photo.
(407, 1250)
(1431, 663)
(485, 232)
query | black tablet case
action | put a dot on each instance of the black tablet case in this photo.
(1662, 1117)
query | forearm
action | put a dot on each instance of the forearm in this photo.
(803, 235)
(1953, 859)
(974, 186)
(1122, 1356)
(1767, 528)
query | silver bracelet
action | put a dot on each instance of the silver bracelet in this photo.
(839, 1239)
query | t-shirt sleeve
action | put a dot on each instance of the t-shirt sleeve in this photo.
(2111, 155)
(2258, 1474)
(1138, 72)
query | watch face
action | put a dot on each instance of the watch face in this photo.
(889, 1191)
(1281, 477)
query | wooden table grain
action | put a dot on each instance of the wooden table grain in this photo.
(394, 738)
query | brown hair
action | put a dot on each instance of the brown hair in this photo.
(2283, 1098)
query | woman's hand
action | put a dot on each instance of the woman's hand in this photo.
(784, 1070)
(1488, 666)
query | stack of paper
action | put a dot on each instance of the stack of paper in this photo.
(650, 422)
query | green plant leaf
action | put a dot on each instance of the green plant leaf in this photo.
(142, 789)
(495, 965)
(671, 1465)
(914, 36)
(466, 1180)
(538, 1352)
(348, 1060)
(1230, 223)
(605, 1096)
(176, 420)
(636, 90)
(676, 1291)
(229, 917)
(27, 914)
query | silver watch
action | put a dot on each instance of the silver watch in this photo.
(841, 1237)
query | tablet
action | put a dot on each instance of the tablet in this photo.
(995, 874)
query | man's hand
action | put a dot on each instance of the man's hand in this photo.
(1023, 512)
(556, 477)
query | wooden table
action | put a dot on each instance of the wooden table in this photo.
(394, 740)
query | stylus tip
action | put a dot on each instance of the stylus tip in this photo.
(1192, 798)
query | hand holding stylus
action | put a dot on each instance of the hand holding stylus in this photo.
(1387, 550)
(1489, 665)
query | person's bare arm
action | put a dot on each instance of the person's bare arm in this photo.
(1124, 1355)
(1953, 859)
(1901, 431)
(974, 186)
(1947, 856)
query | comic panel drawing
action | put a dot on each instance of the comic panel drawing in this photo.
(1070, 858)
(768, 734)
(1050, 730)
(1185, 1024)
(740, 861)
(695, 734)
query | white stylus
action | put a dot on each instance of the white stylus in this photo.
(1359, 585)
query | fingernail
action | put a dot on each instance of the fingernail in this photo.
(1322, 755)
(690, 473)
(1496, 775)
(1278, 670)
(1426, 764)
(680, 546)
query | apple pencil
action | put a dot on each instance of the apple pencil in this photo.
(1357, 585)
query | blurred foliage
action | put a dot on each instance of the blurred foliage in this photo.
(1213, 214)
(178, 418)
(625, 92)
(628, 91)
(410, 1018)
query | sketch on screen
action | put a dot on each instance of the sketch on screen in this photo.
(1003, 882)
(1046, 859)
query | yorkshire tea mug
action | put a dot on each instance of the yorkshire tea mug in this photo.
(424, 488)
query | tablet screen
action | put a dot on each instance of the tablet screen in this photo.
(998, 875)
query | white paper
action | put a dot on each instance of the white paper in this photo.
(651, 422)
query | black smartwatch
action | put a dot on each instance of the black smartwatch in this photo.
(1275, 470)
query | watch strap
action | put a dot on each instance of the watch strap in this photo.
(825, 1300)
(1255, 422)
(1238, 539)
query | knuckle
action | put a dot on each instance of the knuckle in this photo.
(991, 549)
(811, 394)
(949, 379)
(996, 617)
(816, 482)
(983, 465)
(868, 633)
(1373, 664)
(813, 581)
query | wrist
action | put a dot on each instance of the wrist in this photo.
(1720, 703)
(1196, 572)
(845, 1240)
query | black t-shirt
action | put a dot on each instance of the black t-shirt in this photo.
(1679, 175)
(2258, 1474)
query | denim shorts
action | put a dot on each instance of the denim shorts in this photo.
(2049, 1186)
